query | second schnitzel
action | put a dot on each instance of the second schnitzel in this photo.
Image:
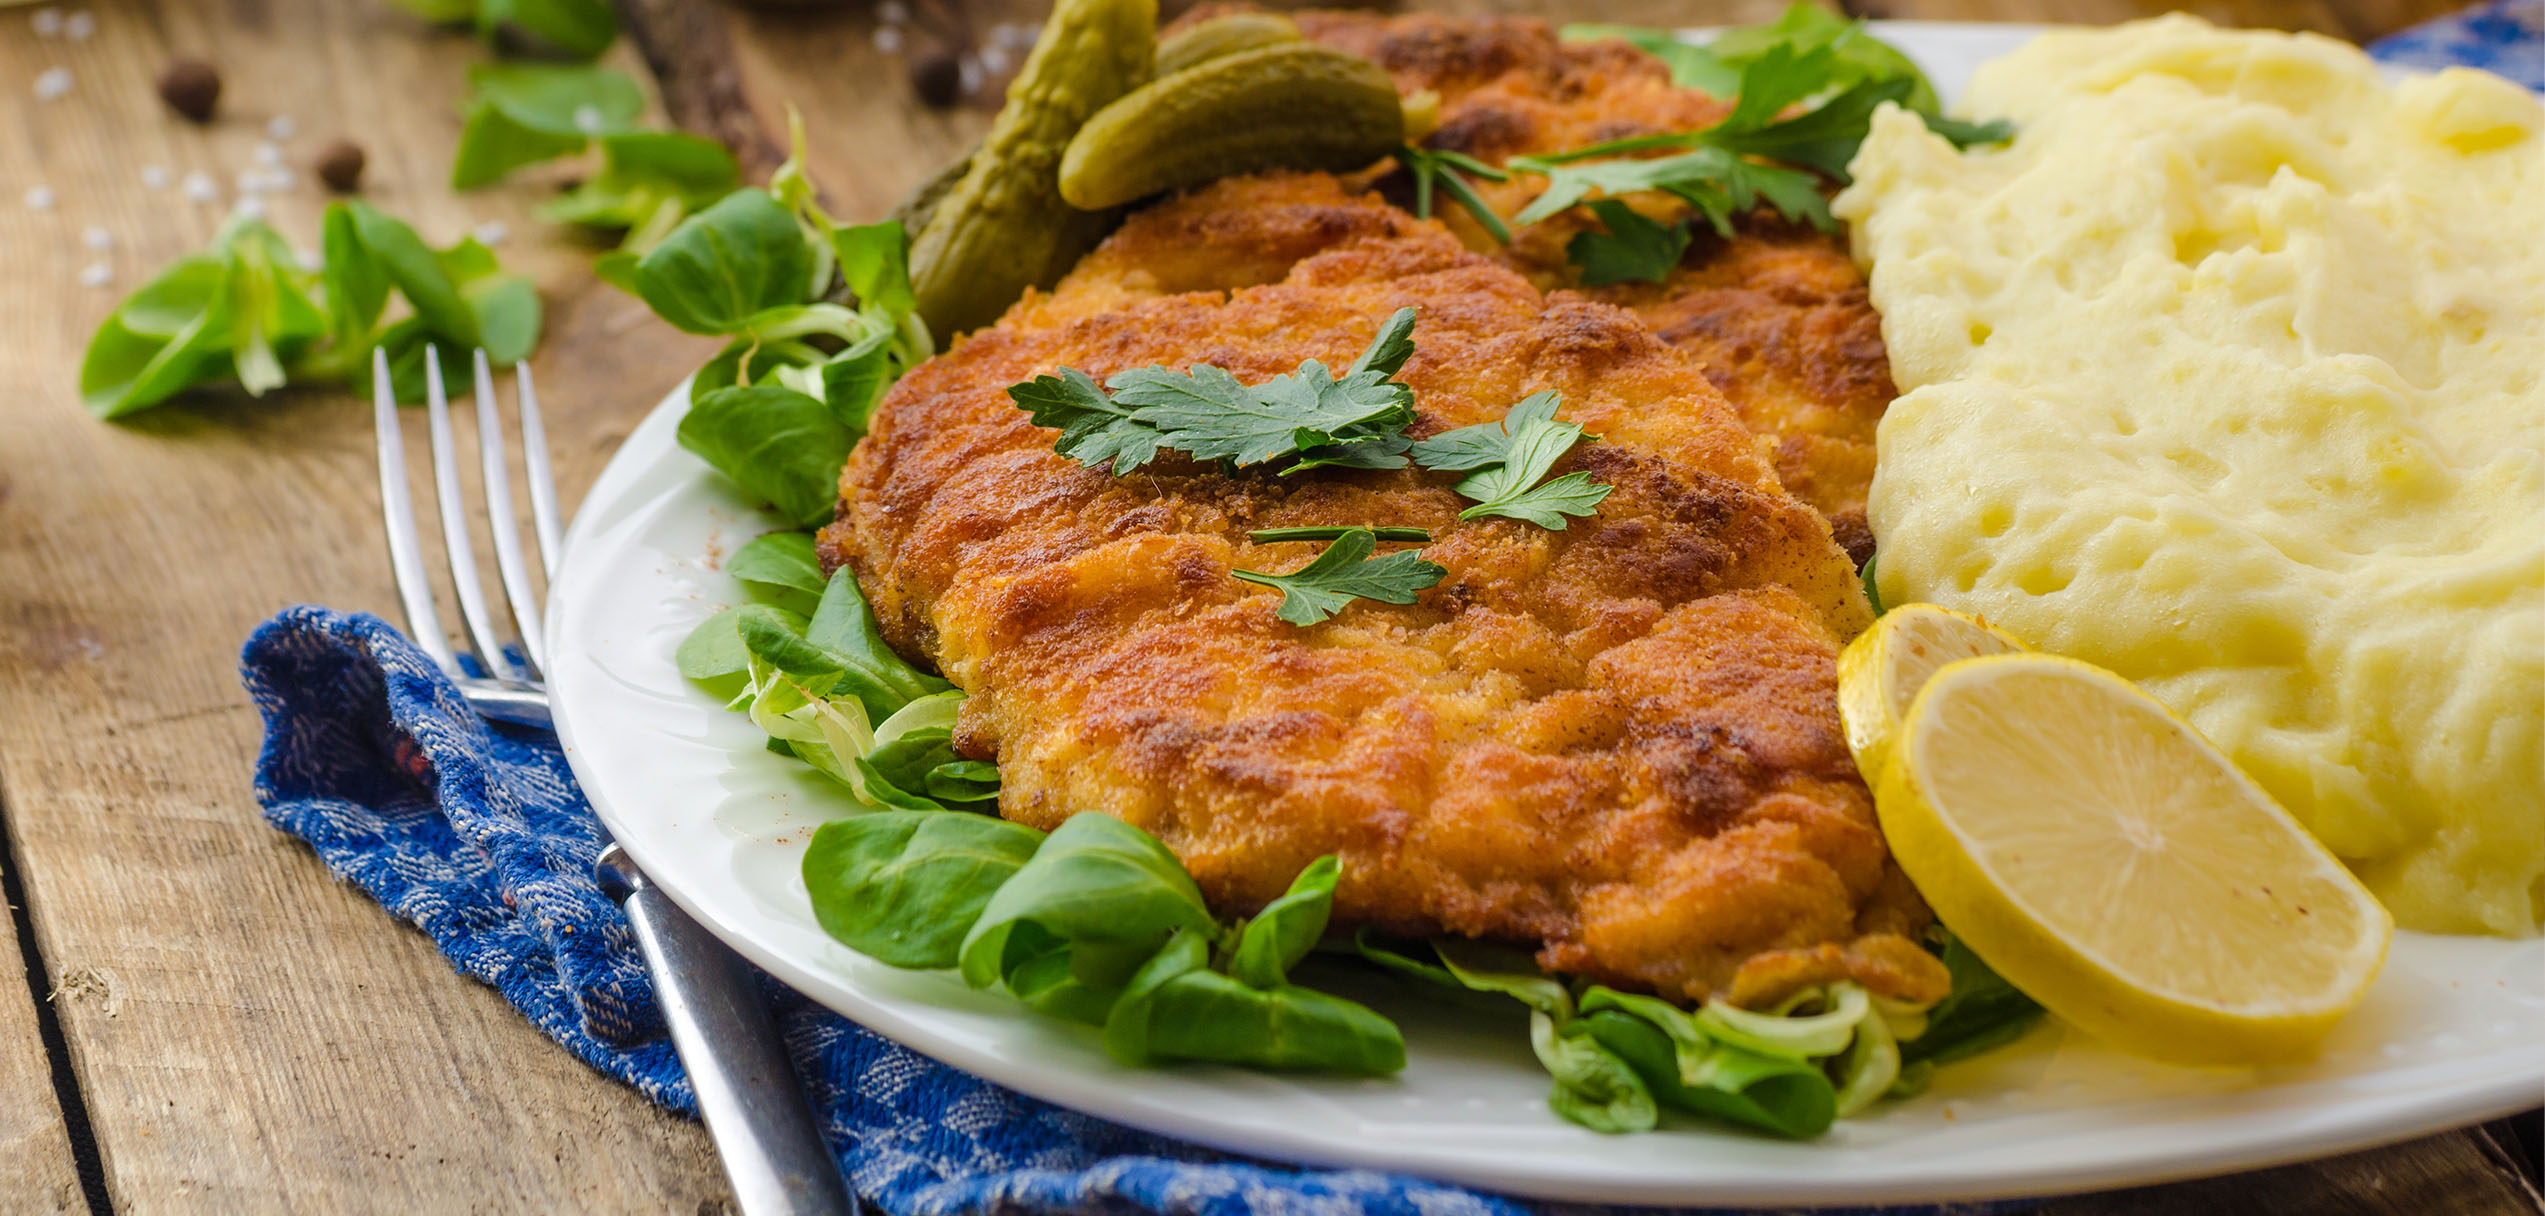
(1617, 743)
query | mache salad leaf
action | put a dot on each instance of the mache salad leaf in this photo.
(247, 311)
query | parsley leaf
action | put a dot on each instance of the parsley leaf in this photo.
(1511, 455)
(1717, 183)
(1446, 169)
(1203, 412)
(1547, 505)
(1346, 572)
(1635, 249)
(1093, 430)
(1488, 443)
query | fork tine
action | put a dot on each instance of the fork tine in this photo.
(534, 458)
(397, 515)
(455, 543)
(499, 517)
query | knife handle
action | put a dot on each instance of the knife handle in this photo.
(756, 1113)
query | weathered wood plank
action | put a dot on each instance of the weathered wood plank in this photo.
(37, 1171)
(2448, 1175)
(250, 1035)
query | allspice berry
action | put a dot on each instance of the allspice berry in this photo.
(936, 75)
(340, 166)
(191, 87)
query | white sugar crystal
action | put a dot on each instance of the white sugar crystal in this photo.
(79, 26)
(490, 233)
(97, 274)
(994, 59)
(39, 198)
(200, 187)
(154, 177)
(893, 12)
(587, 119)
(280, 127)
(51, 83)
(48, 22)
(97, 238)
(888, 38)
(269, 154)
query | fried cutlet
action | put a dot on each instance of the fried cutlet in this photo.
(1778, 316)
(1617, 744)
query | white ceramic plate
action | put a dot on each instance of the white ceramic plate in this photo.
(2453, 1033)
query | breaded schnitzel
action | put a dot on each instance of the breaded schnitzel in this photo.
(1618, 743)
(1778, 317)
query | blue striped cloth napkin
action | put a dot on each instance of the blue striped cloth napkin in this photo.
(478, 835)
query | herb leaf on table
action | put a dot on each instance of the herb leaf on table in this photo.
(523, 113)
(244, 310)
(581, 28)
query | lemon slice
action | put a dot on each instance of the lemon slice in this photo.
(1880, 672)
(2110, 862)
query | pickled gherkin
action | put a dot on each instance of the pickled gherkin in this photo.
(1284, 106)
(1005, 227)
(1226, 34)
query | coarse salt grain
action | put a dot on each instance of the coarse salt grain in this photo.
(893, 12)
(39, 198)
(269, 154)
(490, 233)
(1017, 36)
(97, 274)
(587, 119)
(888, 38)
(200, 187)
(280, 127)
(79, 26)
(48, 22)
(154, 177)
(312, 261)
(970, 74)
(97, 238)
(994, 59)
(51, 83)
(249, 208)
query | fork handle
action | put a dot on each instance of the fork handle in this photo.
(772, 1149)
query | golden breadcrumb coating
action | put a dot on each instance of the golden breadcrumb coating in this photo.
(1778, 316)
(1618, 743)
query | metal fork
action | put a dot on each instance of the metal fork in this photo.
(765, 1133)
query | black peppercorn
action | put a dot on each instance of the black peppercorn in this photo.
(936, 75)
(190, 87)
(340, 166)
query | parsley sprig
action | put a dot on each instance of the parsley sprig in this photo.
(1449, 172)
(1635, 248)
(1714, 170)
(1308, 416)
(1345, 571)
(1511, 458)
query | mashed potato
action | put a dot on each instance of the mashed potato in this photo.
(2229, 375)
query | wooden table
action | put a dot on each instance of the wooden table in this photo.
(206, 1019)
